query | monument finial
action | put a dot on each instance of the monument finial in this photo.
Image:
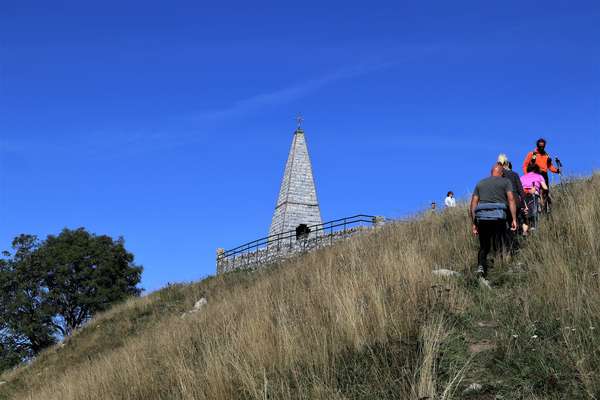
(299, 120)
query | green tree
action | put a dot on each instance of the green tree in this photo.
(26, 317)
(50, 288)
(84, 274)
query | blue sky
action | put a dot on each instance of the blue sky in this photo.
(169, 123)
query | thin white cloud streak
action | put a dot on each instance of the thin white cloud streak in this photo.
(290, 93)
(165, 139)
(109, 145)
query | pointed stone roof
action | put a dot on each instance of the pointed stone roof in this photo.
(297, 202)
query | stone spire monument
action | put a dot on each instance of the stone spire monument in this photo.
(297, 202)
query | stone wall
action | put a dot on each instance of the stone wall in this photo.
(284, 249)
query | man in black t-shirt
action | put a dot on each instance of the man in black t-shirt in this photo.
(519, 195)
(513, 177)
(488, 211)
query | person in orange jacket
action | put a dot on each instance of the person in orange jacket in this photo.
(541, 159)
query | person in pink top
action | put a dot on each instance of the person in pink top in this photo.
(532, 182)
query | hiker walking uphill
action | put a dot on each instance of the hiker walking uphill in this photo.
(513, 177)
(518, 193)
(541, 159)
(489, 215)
(533, 185)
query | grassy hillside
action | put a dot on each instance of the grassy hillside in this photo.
(364, 319)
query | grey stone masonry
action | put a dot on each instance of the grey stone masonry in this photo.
(283, 250)
(297, 202)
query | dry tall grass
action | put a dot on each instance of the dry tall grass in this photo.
(363, 319)
(294, 332)
(560, 300)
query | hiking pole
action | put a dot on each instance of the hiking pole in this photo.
(560, 168)
(558, 163)
(560, 171)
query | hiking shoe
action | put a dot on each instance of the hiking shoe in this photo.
(480, 271)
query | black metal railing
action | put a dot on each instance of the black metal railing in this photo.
(290, 237)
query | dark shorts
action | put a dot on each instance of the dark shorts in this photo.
(521, 217)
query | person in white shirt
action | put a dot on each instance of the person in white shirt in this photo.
(450, 200)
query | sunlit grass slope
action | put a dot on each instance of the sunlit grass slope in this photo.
(364, 319)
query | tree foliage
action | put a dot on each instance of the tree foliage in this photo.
(50, 288)
(84, 274)
(26, 318)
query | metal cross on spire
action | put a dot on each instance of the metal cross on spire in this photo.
(299, 120)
